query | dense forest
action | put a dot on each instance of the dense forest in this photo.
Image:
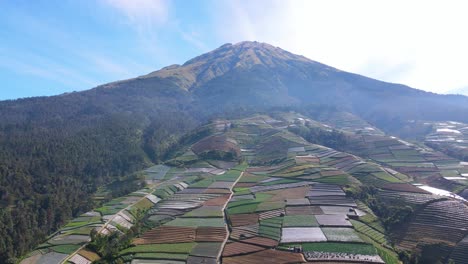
(50, 169)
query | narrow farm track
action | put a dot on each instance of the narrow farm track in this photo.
(153, 188)
(225, 218)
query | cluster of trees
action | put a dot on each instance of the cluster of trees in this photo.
(437, 253)
(108, 246)
(333, 139)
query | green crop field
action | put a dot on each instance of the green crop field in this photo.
(65, 249)
(160, 248)
(370, 232)
(195, 222)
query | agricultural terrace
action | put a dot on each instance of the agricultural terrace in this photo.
(285, 201)
(189, 225)
(291, 197)
(121, 214)
(401, 158)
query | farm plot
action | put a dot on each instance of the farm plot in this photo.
(370, 232)
(332, 200)
(271, 228)
(300, 221)
(243, 232)
(339, 247)
(195, 222)
(305, 234)
(243, 219)
(167, 234)
(303, 210)
(280, 257)
(261, 241)
(210, 234)
(160, 248)
(445, 221)
(340, 210)
(460, 253)
(341, 234)
(301, 201)
(206, 211)
(336, 220)
(208, 249)
(238, 248)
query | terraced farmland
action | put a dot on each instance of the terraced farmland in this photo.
(295, 202)
(254, 191)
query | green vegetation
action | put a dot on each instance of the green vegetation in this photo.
(333, 139)
(271, 228)
(194, 222)
(243, 209)
(65, 249)
(339, 180)
(160, 248)
(370, 232)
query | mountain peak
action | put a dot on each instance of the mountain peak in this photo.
(242, 55)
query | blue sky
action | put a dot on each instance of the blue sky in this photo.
(50, 47)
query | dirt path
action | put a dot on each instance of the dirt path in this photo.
(225, 218)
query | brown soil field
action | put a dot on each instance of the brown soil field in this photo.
(218, 201)
(243, 219)
(291, 193)
(167, 234)
(210, 234)
(261, 241)
(238, 248)
(303, 210)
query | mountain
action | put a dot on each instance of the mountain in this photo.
(248, 74)
(56, 152)
(256, 73)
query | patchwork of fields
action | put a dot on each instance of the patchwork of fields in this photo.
(253, 191)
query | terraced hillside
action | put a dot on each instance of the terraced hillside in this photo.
(253, 190)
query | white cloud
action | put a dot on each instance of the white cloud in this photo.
(143, 14)
(147, 18)
(418, 43)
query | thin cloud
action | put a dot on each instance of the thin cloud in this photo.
(116, 67)
(144, 15)
(193, 38)
(46, 69)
